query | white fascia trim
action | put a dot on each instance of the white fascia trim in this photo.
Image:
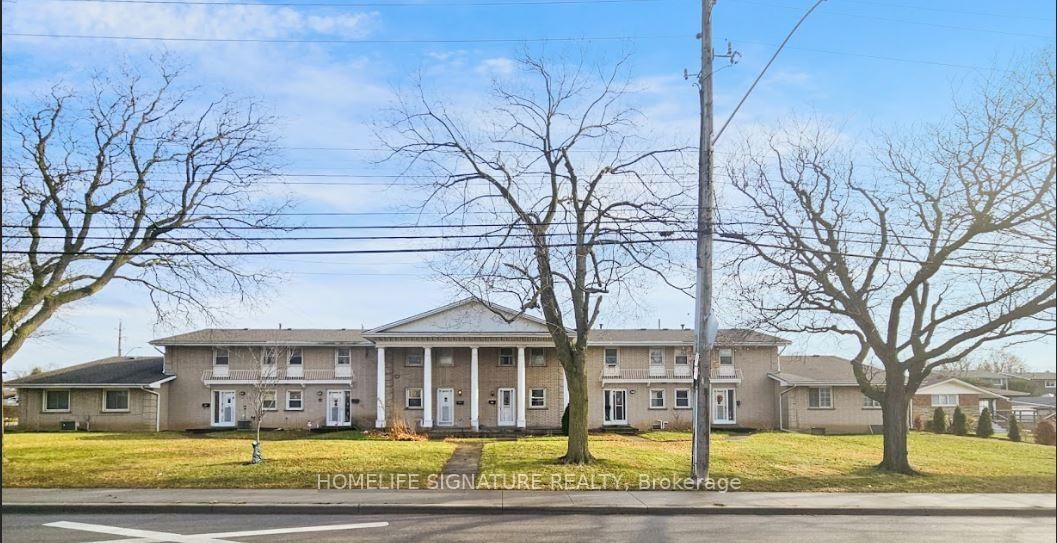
(982, 391)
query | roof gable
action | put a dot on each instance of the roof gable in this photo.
(468, 316)
(955, 386)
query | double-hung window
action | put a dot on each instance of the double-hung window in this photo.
(820, 398)
(682, 398)
(537, 357)
(295, 400)
(944, 400)
(537, 398)
(57, 401)
(445, 357)
(268, 400)
(413, 358)
(220, 357)
(296, 358)
(657, 398)
(115, 401)
(611, 357)
(344, 356)
(413, 398)
(870, 403)
(506, 356)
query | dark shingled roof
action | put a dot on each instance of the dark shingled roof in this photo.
(1047, 400)
(286, 336)
(821, 370)
(116, 370)
(726, 336)
(265, 336)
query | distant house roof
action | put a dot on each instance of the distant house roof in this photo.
(116, 370)
(934, 381)
(808, 370)
(1007, 392)
(265, 336)
(1037, 401)
(979, 374)
(666, 336)
(1042, 375)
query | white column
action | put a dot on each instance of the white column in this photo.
(379, 421)
(565, 387)
(427, 387)
(521, 393)
(474, 392)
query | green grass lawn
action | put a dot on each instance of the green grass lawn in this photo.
(772, 461)
(176, 460)
(767, 461)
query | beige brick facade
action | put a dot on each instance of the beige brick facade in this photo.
(86, 409)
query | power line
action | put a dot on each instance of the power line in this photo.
(738, 239)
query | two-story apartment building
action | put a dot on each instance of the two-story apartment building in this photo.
(462, 367)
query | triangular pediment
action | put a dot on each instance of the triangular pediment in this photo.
(469, 316)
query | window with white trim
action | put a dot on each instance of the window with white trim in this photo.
(682, 398)
(56, 401)
(220, 357)
(445, 357)
(682, 357)
(268, 400)
(296, 357)
(115, 400)
(413, 398)
(343, 356)
(295, 400)
(944, 400)
(656, 357)
(506, 356)
(1050, 384)
(657, 398)
(537, 357)
(268, 356)
(820, 397)
(612, 356)
(537, 398)
(870, 403)
(726, 357)
(413, 358)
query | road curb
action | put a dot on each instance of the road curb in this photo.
(435, 509)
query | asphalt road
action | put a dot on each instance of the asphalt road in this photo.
(509, 528)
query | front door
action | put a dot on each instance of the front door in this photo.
(223, 408)
(445, 407)
(338, 408)
(616, 407)
(724, 406)
(506, 407)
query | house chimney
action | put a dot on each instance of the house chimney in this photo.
(599, 326)
(658, 324)
(682, 326)
(280, 326)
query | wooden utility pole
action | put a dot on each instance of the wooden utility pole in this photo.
(704, 322)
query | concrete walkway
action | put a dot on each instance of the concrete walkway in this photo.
(528, 502)
(464, 461)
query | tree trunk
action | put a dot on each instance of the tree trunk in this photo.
(578, 451)
(894, 417)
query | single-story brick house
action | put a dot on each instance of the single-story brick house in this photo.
(949, 393)
(121, 393)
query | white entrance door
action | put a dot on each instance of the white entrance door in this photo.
(223, 408)
(445, 407)
(506, 407)
(724, 406)
(338, 408)
(616, 407)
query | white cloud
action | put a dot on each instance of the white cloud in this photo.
(496, 66)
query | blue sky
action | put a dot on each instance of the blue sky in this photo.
(863, 65)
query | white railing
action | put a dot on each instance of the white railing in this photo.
(725, 374)
(229, 375)
(680, 373)
(643, 374)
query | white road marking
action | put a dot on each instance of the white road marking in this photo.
(149, 536)
(166, 537)
(299, 530)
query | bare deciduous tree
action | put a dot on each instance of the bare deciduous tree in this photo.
(129, 180)
(265, 394)
(943, 247)
(582, 208)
